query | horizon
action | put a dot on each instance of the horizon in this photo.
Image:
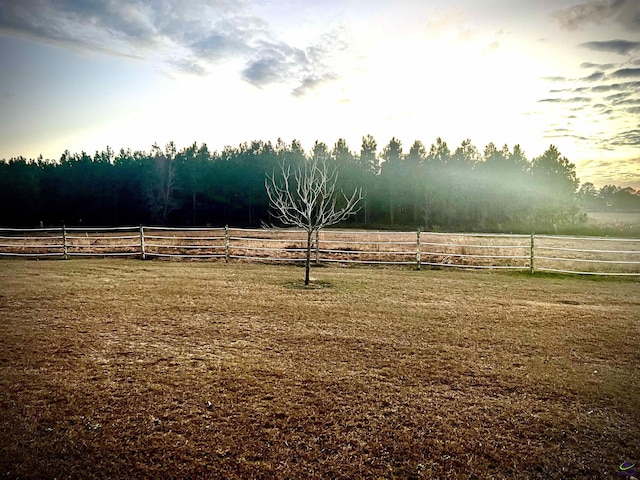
(130, 74)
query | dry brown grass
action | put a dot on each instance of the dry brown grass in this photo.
(129, 369)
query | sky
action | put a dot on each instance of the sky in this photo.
(81, 75)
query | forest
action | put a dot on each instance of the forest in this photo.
(435, 188)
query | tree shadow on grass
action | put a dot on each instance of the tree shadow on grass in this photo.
(313, 285)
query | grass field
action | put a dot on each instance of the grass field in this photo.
(614, 218)
(618, 224)
(123, 369)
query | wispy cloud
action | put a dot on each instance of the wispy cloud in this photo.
(594, 76)
(599, 66)
(616, 97)
(621, 172)
(624, 12)
(609, 97)
(311, 82)
(622, 47)
(188, 37)
(567, 100)
(101, 26)
(564, 133)
(605, 83)
(626, 73)
(187, 65)
(627, 137)
(616, 86)
(556, 79)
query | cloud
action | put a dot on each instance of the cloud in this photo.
(616, 86)
(187, 65)
(312, 82)
(567, 100)
(579, 100)
(217, 44)
(599, 66)
(617, 97)
(140, 26)
(626, 72)
(272, 62)
(626, 138)
(563, 133)
(187, 37)
(594, 76)
(100, 26)
(600, 98)
(623, 12)
(622, 172)
(622, 47)
(279, 62)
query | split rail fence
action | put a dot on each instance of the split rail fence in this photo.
(550, 253)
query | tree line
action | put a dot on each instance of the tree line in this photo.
(435, 188)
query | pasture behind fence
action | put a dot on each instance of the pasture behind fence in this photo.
(551, 253)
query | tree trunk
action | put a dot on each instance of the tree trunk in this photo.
(193, 198)
(426, 212)
(308, 261)
(391, 216)
(115, 206)
(366, 217)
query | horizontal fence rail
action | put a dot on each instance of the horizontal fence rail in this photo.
(588, 255)
(546, 253)
(192, 243)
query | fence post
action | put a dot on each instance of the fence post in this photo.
(226, 243)
(532, 254)
(317, 245)
(64, 242)
(142, 249)
(418, 250)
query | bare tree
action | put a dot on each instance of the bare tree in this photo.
(162, 182)
(307, 198)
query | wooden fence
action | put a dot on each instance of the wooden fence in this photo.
(552, 253)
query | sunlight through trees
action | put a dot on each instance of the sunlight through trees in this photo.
(435, 188)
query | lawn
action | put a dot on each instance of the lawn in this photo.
(132, 369)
